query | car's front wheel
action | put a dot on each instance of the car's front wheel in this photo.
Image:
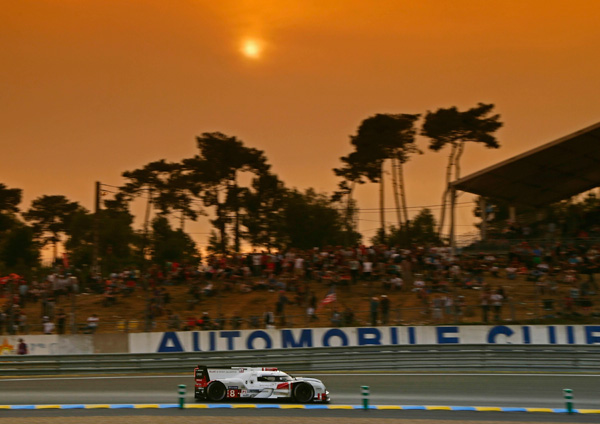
(216, 391)
(303, 392)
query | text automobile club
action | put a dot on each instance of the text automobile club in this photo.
(363, 336)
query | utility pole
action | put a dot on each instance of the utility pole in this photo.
(146, 226)
(148, 320)
(73, 307)
(95, 252)
(382, 205)
(483, 207)
(452, 221)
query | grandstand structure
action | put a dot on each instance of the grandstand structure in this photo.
(552, 172)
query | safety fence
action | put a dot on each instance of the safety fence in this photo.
(546, 310)
(399, 358)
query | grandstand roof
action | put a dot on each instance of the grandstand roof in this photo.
(549, 173)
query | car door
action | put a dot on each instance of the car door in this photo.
(266, 384)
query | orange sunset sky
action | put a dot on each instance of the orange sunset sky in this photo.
(91, 88)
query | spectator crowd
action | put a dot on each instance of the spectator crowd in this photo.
(442, 286)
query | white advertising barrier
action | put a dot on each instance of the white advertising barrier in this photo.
(48, 344)
(229, 340)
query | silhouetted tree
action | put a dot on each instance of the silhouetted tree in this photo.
(421, 230)
(264, 205)
(168, 245)
(312, 220)
(455, 128)
(166, 188)
(213, 175)
(19, 251)
(119, 245)
(9, 201)
(393, 137)
(51, 216)
(379, 138)
(215, 243)
(356, 167)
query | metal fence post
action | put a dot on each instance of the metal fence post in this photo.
(569, 400)
(365, 393)
(181, 396)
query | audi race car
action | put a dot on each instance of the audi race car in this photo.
(218, 384)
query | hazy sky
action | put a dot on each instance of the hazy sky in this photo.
(89, 89)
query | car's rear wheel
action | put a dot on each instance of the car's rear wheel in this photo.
(303, 392)
(216, 391)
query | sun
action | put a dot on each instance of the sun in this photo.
(252, 48)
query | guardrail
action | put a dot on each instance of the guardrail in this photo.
(407, 358)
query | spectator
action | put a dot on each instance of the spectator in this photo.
(511, 272)
(354, 268)
(374, 310)
(496, 299)
(3, 321)
(236, 321)
(92, 324)
(299, 266)
(219, 323)
(22, 348)
(205, 322)
(385, 309)
(494, 270)
(348, 317)
(73, 284)
(484, 302)
(208, 289)
(49, 304)
(130, 286)
(61, 319)
(280, 307)
(190, 323)
(437, 303)
(23, 290)
(367, 270)
(336, 318)
(419, 284)
(23, 327)
(174, 322)
(313, 301)
(47, 325)
(568, 304)
(396, 283)
(311, 315)
(448, 305)
(109, 297)
(269, 319)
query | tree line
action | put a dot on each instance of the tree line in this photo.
(248, 205)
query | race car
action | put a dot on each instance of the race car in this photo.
(218, 384)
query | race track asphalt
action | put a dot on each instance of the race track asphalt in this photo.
(505, 390)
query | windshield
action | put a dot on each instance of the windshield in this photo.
(274, 378)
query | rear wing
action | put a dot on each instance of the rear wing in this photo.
(201, 373)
